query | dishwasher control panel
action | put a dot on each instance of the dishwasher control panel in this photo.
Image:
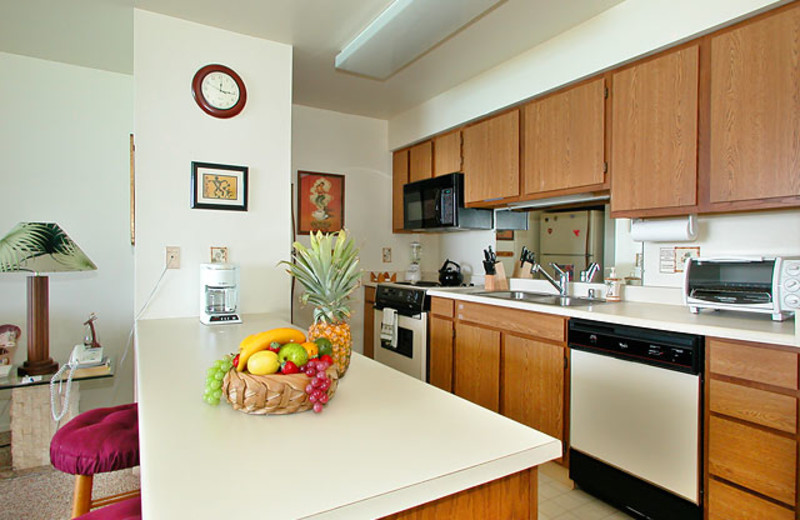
(673, 350)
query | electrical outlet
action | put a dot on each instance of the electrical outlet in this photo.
(387, 255)
(173, 257)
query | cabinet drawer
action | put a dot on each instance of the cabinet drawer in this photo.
(754, 363)
(755, 459)
(442, 307)
(754, 405)
(514, 320)
(728, 503)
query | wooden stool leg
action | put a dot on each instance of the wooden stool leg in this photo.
(82, 496)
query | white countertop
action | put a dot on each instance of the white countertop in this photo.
(384, 443)
(676, 318)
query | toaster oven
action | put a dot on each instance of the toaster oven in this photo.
(769, 285)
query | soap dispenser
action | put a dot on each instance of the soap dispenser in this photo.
(613, 286)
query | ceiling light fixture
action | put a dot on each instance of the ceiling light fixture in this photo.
(404, 31)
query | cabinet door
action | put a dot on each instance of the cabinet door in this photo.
(369, 324)
(728, 503)
(654, 135)
(755, 110)
(533, 384)
(447, 153)
(477, 365)
(441, 354)
(491, 158)
(399, 179)
(753, 458)
(563, 140)
(420, 165)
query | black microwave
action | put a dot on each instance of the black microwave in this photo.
(438, 204)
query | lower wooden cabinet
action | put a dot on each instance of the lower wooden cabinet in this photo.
(533, 384)
(477, 365)
(507, 360)
(752, 431)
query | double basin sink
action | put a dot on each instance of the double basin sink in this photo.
(543, 298)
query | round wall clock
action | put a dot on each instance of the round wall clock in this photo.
(219, 91)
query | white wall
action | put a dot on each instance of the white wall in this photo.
(620, 34)
(172, 131)
(750, 234)
(356, 147)
(64, 158)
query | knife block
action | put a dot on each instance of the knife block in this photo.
(497, 281)
(522, 272)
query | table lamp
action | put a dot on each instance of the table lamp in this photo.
(40, 247)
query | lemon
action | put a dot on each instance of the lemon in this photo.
(263, 363)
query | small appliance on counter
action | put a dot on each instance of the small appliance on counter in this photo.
(450, 274)
(414, 272)
(753, 284)
(219, 294)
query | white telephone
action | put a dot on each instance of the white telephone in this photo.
(86, 355)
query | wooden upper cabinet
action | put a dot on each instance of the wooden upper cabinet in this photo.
(755, 110)
(420, 161)
(653, 163)
(563, 140)
(447, 153)
(491, 158)
(399, 178)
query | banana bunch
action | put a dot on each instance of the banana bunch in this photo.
(261, 341)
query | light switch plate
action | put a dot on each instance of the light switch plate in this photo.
(387, 255)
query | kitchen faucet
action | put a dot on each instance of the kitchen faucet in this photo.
(563, 278)
(588, 274)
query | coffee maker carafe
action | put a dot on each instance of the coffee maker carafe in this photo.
(219, 294)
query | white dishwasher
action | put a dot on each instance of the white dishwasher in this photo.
(635, 418)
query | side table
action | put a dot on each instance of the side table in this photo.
(32, 425)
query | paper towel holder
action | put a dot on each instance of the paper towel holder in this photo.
(686, 230)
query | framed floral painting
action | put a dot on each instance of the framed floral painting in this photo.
(320, 202)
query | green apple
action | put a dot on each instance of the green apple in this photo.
(293, 352)
(324, 346)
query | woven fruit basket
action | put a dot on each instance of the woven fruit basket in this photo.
(275, 394)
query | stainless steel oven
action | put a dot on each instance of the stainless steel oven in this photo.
(401, 328)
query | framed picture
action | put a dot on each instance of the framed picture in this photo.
(219, 186)
(320, 202)
(505, 234)
(219, 255)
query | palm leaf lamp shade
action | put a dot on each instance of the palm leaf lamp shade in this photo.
(40, 247)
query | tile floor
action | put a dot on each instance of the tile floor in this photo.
(559, 500)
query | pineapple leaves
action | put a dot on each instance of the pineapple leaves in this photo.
(328, 271)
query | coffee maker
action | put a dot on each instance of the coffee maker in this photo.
(219, 294)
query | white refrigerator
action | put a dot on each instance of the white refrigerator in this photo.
(573, 240)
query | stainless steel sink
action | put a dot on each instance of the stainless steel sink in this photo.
(543, 298)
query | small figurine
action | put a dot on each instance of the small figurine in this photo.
(91, 336)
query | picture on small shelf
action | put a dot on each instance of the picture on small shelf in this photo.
(219, 255)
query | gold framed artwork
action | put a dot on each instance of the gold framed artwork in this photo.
(219, 255)
(219, 186)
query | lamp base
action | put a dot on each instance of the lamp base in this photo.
(38, 368)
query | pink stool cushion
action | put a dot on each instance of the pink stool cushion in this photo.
(98, 441)
(129, 509)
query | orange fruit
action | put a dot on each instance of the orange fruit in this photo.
(311, 348)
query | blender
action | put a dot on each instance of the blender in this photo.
(413, 273)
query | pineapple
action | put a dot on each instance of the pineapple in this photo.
(328, 271)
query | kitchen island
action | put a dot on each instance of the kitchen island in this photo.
(385, 443)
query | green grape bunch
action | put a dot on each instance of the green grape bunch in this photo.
(214, 376)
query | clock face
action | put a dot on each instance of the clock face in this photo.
(219, 91)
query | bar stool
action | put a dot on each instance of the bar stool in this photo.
(128, 509)
(97, 441)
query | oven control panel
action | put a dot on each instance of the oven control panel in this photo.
(407, 301)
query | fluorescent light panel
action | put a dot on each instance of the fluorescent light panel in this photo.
(404, 31)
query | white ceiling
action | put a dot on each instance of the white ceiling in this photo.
(318, 29)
